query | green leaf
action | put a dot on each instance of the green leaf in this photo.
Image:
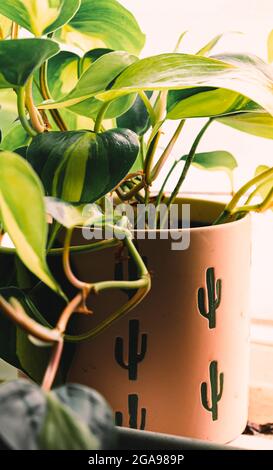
(71, 216)
(92, 408)
(246, 75)
(205, 50)
(5, 27)
(39, 16)
(136, 118)
(23, 214)
(62, 73)
(72, 417)
(104, 23)
(82, 166)
(259, 124)
(264, 189)
(8, 110)
(206, 102)
(14, 72)
(8, 329)
(216, 160)
(16, 138)
(63, 430)
(96, 78)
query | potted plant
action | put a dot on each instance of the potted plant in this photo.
(54, 173)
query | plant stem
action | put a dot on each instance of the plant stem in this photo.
(160, 194)
(56, 116)
(66, 264)
(14, 30)
(22, 112)
(96, 246)
(150, 156)
(17, 315)
(148, 106)
(167, 151)
(230, 208)
(143, 285)
(53, 366)
(56, 355)
(34, 115)
(100, 116)
(131, 193)
(188, 162)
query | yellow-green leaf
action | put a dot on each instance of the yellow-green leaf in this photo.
(40, 16)
(23, 214)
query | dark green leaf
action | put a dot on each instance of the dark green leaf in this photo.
(8, 329)
(136, 118)
(15, 346)
(39, 17)
(82, 166)
(109, 23)
(14, 72)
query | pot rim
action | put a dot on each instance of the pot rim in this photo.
(217, 204)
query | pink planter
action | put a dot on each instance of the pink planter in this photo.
(178, 363)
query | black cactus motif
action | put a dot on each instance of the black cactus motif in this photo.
(216, 394)
(133, 414)
(134, 357)
(214, 298)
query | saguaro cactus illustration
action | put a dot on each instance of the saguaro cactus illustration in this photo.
(133, 414)
(134, 357)
(216, 394)
(214, 298)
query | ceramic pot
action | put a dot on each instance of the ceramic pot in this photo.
(179, 362)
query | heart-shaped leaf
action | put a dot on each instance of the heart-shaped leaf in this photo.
(14, 72)
(72, 417)
(40, 16)
(104, 23)
(96, 78)
(259, 124)
(23, 214)
(82, 166)
(63, 77)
